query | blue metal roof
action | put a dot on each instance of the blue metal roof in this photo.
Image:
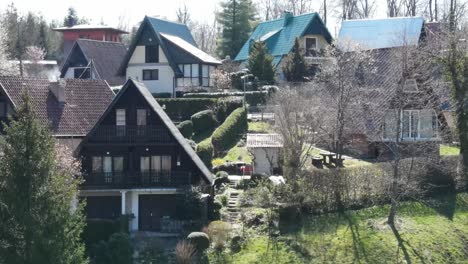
(172, 28)
(382, 33)
(279, 39)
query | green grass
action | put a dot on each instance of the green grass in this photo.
(238, 154)
(446, 150)
(260, 127)
(434, 231)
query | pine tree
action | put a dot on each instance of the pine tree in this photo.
(260, 63)
(38, 187)
(294, 68)
(71, 19)
(235, 18)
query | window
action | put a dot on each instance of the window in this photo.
(415, 124)
(141, 117)
(120, 117)
(411, 86)
(310, 46)
(97, 165)
(82, 73)
(118, 164)
(145, 164)
(149, 75)
(156, 164)
(191, 74)
(2, 109)
(151, 54)
(108, 166)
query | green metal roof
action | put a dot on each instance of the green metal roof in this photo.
(279, 39)
(172, 28)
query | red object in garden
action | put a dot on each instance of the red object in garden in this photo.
(246, 170)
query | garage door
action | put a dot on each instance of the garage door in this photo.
(152, 208)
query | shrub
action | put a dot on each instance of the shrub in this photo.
(199, 240)
(117, 250)
(252, 98)
(230, 131)
(185, 253)
(186, 128)
(205, 151)
(221, 177)
(203, 121)
(236, 244)
(189, 205)
(217, 162)
(222, 174)
(184, 108)
(215, 212)
(101, 229)
(223, 199)
(162, 95)
(226, 106)
(219, 233)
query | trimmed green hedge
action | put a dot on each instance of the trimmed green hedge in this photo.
(226, 106)
(162, 95)
(184, 108)
(101, 229)
(253, 98)
(186, 128)
(203, 121)
(227, 135)
(205, 152)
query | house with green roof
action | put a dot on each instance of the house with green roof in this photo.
(279, 36)
(165, 57)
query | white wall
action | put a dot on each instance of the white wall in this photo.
(321, 42)
(261, 162)
(166, 76)
(138, 55)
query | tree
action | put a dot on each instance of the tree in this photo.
(71, 19)
(5, 66)
(235, 19)
(294, 68)
(41, 219)
(260, 63)
(183, 15)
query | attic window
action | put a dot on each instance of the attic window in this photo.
(411, 86)
(152, 54)
(310, 44)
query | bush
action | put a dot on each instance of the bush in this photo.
(253, 98)
(236, 244)
(101, 229)
(192, 144)
(226, 106)
(117, 250)
(162, 95)
(186, 128)
(227, 135)
(185, 253)
(199, 240)
(221, 177)
(205, 152)
(184, 108)
(219, 233)
(189, 205)
(203, 121)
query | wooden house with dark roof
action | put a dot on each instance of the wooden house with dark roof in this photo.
(165, 57)
(96, 60)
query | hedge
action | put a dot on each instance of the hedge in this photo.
(186, 128)
(184, 108)
(227, 135)
(253, 98)
(226, 106)
(101, 229)
(203, 121)
(162, 95)
(205, 152)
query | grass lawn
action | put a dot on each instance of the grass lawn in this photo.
(238, 153)
(435, 231)
(347, 162)
(260, 127)
(446, 150)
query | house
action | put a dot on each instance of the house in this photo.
(279, 36)
(93, 59)
(375, 119)
(94, 32)
(68, 107)
(165, 57)
(266, 151)
(136, 161)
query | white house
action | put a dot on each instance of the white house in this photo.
(266, 150)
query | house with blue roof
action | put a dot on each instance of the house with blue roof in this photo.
(279, 36)
(165, 57)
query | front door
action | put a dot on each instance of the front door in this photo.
(152, 208)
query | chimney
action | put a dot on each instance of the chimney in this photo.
(58, 89)
(287, 17)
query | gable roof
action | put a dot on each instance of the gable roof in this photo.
(90, 27)
(167, 33)
(86, 100)
(279, 39)
(106, 56)
(264, 141)
(174, 131)
(383, 33)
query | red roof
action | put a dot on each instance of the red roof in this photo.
(90, 27)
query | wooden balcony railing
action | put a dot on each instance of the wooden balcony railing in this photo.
(130, 134)
(108, 180)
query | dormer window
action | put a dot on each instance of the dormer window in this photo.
(152, 54)
(411, 86)
(310, 45)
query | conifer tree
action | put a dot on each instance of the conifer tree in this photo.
(294, 68)
(41, 222)
(260, 63)
(235, 18)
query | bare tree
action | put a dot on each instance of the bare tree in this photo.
(205, 35)
(183, 15)
(393, 8)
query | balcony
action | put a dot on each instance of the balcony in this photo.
(130, 134)
(127, 180)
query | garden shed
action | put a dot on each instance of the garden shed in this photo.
(266, 151)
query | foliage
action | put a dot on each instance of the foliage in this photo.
(221, 79)
(217, 162)
(186, 128)
(205, 151)
(185, 252)
(260, 127)
(101, 229)
(117, 250)
(252, 98)
(236, 243)
(447, 150)
(260, 63)
(184, 108)
(41, 220)
(153, 254)
(235, 19)
(226, 106)
(219, 233)
(294, 68)
(233, 128)
(203, 121)
(199, 240)
(189, 204)
(236, 79)
(162, 95)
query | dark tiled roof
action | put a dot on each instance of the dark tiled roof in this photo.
(107, 57)
(86, 100)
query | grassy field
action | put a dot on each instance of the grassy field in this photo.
(238, 154)
(434, 231)
(260, 127)
(446, 150)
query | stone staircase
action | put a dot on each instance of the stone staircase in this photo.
(233, 206)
